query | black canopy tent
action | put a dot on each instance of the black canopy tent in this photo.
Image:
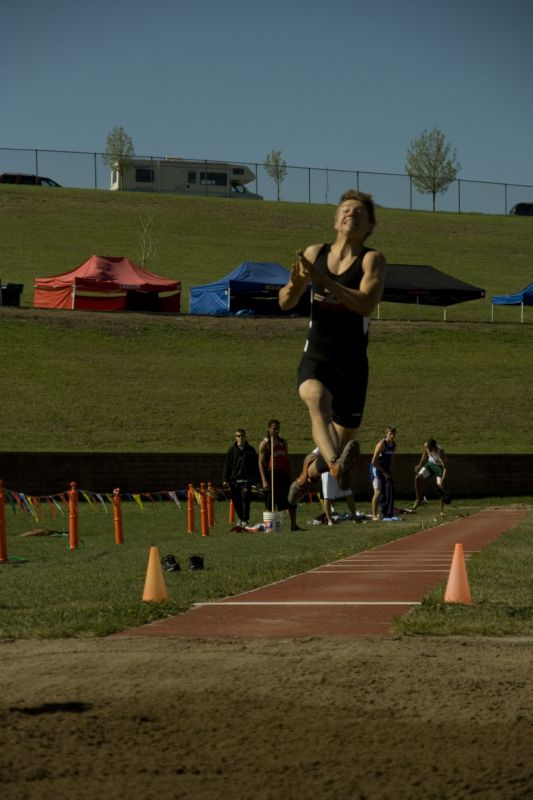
(421, 284)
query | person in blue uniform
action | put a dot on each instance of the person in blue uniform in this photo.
(381, 475)
(347, 280)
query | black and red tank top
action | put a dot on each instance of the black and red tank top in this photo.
(334, 330)
(281, 454)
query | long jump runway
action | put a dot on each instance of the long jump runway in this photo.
(356, 596)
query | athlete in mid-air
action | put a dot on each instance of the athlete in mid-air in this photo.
(347, 280)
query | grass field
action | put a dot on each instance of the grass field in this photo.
(97, 588)
(201, 239)
(116, 382)
(97, 382)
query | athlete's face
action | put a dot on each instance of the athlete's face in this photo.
(352, 219)
(273, 429)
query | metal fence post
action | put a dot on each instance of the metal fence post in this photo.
(309, 183)
(459, 194)
(36, 162)
(95, 173)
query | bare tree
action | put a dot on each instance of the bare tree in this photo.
(147, 242)
(118, 151)
(276, 168)
(432, 163)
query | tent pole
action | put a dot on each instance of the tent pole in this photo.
(492, 312)
(522, 311)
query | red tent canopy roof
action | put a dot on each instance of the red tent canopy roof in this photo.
(109, 274)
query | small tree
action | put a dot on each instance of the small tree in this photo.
(147, 242)
(431, 163)
(118, 151)
(276, 168)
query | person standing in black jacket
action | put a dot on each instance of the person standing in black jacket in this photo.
(241, 471)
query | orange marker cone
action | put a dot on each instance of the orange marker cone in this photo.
(190, 509)
(3, 539)
(203, 511)
(457, 589)
(155, 590)
(210, 505)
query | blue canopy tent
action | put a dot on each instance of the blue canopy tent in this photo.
(252, 287)
(523, 298)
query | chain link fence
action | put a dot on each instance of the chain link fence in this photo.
(85, 170)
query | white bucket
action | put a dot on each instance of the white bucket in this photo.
(273, 521)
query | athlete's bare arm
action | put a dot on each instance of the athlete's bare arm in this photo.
(363, 300)
(377, 453)
(293, 291)
(263, 462)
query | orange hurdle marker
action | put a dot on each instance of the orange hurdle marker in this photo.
(210, 505)
(457, 589)
(155, 590)
(73, 516)
(3, 538)
(231, 511)
(203, 510)
(190, 509)
(117, 517)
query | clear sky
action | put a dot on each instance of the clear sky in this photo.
(342, 84)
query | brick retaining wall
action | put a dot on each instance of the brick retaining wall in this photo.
(51, 473)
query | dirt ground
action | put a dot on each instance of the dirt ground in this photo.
(307, 718)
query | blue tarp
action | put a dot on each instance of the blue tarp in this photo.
(525, 297)
(252, 286)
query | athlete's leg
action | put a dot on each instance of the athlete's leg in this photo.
(318, 401)
(349, 451)
(376, 485)
(326, 505)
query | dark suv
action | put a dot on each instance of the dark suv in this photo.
(27, 180)
(522, 210)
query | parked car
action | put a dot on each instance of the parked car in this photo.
(27, 180)
(522, 210)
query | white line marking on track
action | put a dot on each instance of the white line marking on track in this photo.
(315, 603)
(372, 571)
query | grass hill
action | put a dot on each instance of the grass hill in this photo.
(44, 232)
(85, 381)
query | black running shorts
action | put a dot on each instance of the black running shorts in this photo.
(282, 483)
(347, 385)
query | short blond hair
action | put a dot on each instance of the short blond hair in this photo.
(362, 197)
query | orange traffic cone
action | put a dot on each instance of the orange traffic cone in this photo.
(155, 590)
(457, 589)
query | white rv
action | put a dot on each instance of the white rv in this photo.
(201, 178)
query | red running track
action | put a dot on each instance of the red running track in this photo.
(358, 595)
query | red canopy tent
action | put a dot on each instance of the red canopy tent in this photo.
(107, 283)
